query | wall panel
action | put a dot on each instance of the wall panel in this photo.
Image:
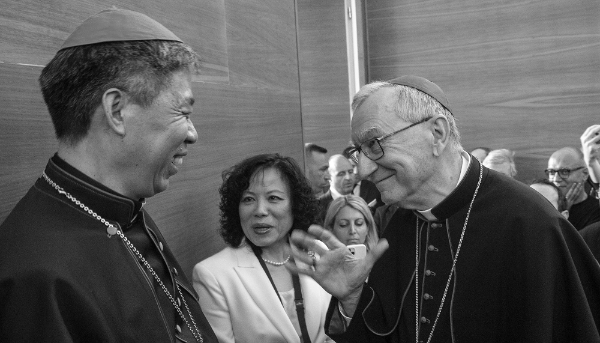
(324, 73)
(26, 133)
(521, 75)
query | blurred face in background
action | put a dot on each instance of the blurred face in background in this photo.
(350, 226)
(317, 171)
(567, 159)
(342, 174)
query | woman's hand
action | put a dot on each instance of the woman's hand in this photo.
(337, 270)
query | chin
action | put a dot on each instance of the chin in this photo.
(161, 186)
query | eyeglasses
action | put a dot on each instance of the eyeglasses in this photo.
(563, 172)
(373, 149)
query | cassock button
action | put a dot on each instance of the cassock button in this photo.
(179, 302)
(429, 273)
(432, 248)
(160, 245)
(175, 271)
(424, 320)
(436, 225)
(178, 328)
(426, 296)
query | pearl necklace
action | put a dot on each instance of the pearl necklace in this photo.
(111, 230)
(462, 235)
(277, 263)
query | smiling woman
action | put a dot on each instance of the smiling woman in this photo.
(263, 199)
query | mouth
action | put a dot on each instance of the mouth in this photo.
(177, 161)
(261, 228)
(178, 158)
(382, 179)
(353, 241)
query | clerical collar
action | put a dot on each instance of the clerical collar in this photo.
(80, 175)
(466, 159)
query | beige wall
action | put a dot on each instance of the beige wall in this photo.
(324, 74)
(522, 75)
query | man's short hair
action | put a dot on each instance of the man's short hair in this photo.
(312, 147)
(499, 157)
(74, 81)
(487, 150)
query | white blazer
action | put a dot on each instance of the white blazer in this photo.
(241, 305)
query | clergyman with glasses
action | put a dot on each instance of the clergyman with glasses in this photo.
(470, 255)
(568, 171)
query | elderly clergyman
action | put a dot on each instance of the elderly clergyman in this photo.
(80, 258)
(470, 255)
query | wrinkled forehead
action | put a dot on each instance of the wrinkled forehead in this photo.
(564, 160)
(375, 117)
(340, 164)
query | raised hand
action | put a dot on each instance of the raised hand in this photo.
(590, 144)
(573, 194)
(337, 270)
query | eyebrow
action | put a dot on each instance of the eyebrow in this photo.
(370, 133)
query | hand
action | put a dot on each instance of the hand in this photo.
(573, 194)
(337, 270)
(590, 143)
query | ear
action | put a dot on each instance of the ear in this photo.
(113, 102)
(441, 134)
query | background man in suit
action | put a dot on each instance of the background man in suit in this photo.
(342, 182)
(317, 168)
(568, 171)
(364, 188)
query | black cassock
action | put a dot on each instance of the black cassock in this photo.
(523, 273)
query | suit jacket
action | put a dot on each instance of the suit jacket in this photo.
(324, 202)
(369, 192)
(242, 306)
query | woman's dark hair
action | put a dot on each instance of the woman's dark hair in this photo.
(237, 179)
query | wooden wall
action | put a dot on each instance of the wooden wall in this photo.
(522, 75)
(324, 74)
(248, 100)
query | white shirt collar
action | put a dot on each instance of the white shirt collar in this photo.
(466, 159)
(334, 193)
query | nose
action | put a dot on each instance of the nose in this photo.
(192, 135)
(353, 231)
(554, 178)
(365, 167)
(261, 209)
